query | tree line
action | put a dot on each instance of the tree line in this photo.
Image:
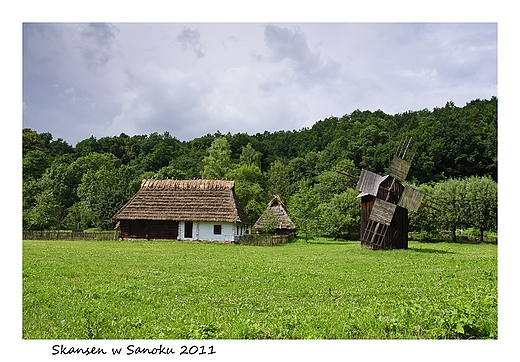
(82, 186)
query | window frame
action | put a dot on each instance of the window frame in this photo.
(217, 229)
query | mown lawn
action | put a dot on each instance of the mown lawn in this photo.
(317, 290)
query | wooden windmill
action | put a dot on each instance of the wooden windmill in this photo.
(385, 203)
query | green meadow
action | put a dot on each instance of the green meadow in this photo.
(317, 290)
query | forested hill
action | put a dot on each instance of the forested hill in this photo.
(452, 142)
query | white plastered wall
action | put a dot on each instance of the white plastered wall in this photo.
(204, 231)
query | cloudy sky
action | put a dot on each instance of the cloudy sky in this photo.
(190, 79)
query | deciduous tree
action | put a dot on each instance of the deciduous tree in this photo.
(105, 191)
(278, 181)
(250, 156)
(303, 208)
(482, 203)
(449, 196)
(250, 189)
(217, 163)
(46, 214)
(340, 217)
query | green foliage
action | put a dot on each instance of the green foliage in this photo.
(170, 172)
(78, 217)
(250, 189)
(34, 164)
(278, 181)
(250, 156)
(31, 141)
(329, 184)
(449, 195)
(482, 201)
(269, 222)
(217, 164)
(470, 202)
(452, 143)
(45, 214)
(302, 207)
(340, 217)
(322, 289)
(105, 191)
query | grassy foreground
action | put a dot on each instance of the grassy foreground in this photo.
(316, 290)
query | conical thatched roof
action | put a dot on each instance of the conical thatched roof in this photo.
(200, 200)
(279, 211)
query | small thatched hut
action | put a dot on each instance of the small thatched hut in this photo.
(277, 217)
(184, 210)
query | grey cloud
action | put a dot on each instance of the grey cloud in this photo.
(97, 40)
(161, 99)
(458, 54)
(103, 34)
(190, 39)
(36, 51)
(285, 43)
(80, 78)
(67, 87)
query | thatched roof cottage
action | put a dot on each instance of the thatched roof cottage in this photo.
(277, 217)
(184, 210)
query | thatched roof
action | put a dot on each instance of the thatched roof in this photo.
(279, 211)
(198, 200)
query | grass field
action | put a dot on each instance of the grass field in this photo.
(317, 290)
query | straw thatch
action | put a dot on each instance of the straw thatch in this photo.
(184, 200)
(279, 211)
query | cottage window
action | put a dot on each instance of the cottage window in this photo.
(217, 229)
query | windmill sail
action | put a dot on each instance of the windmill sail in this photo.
(369, 182)
(399, 168)
(382, 212)
(411, 199)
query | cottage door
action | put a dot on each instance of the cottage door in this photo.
(188, 229)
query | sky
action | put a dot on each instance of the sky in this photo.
(193, 78)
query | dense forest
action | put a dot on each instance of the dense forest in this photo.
(82, 186)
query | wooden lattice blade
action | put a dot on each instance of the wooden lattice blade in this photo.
(411, 199)
(399, 168)
(382, 212)
(369, 182)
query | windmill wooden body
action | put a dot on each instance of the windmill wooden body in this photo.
(385, 203)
